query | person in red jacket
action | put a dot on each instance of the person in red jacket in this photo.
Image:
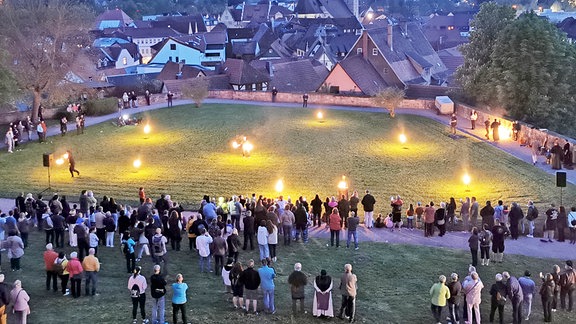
(74, 268)
(49, 257)
(335, 227)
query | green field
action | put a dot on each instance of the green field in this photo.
(189, 154)
(394, 281)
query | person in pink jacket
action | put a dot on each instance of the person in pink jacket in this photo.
(472, 289)
(74, 268)
(19, 299)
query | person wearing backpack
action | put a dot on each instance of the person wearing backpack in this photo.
(159, 247)
(48, 227)
(485, 239)
(158, 292)
(137, 286)
(531, 215)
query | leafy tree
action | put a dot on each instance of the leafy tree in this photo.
(196, 89)
(41, 37)
(532, 72)
(390, 98)
(473, 75)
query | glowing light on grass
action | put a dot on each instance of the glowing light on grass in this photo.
(247, 147)
(343, 185)
(125, 116)
(65, 156)
(137, 163)
(320, 116)
(60, 161)
(466, 179)
(147, 129)
(402, 138)
(279, 186)
(235, 145)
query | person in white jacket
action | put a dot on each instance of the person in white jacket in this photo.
(263, 240)
(272, 239)
(203, 246)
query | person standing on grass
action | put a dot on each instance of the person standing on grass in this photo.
(465, 214)
(343, 210)
(528, 287)
(487, 214)
(159, 250)
(248, 230)
(419, 213)
(75, 270)
(567, 285)
(237, 285)
(170, 97)
(472, 289)
(60, 267)
(158, 292)
(473, 242)
(251, 281)
(137, 286)
(547, 295)
(516, 215)
(561, 223)
(203, 246)
(485, 239)
(49, 257)
(455, 288)
(551, 219)
(353, 223)
(267, 275)
(91, 267)
(439, 293)
(514, 293)
(410, 217)
(297, 281)
(301, 221)
(19, 299)
(453, 124)
(233, 245)
(272, 239)
(322, 304)
(498, 299)
(316, 204)
(287, 221)
(179, 299)
(15, 248)
(263, 240)
(219, 247)
(498, 235)
(128, 245)
(368, 203)
(110, 227)
(396, 204)
(572, 225)
(473, 119)
(348, 288)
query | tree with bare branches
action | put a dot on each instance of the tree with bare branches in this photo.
(196, 89)
(41, 38)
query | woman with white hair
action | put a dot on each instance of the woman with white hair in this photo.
(473, 290)
(439, 294)
(19, 299)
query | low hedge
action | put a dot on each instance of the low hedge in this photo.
(100, 107)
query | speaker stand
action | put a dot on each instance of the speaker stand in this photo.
(49, 184)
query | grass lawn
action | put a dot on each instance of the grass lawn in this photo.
(394, 281)
(189, 154)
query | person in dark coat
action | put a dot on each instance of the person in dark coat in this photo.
(301, 223)
(440, 219)
(514, 293)
(72, 164)
(297, 281)
(455, 299)
(233, 245)
(473, 242)
(495, 131)
(487, 214)
(515, 216)
(316, 204)
(248, 230)
(368, 203)
(547, 294)
(498, 233)
(557, 156)
(498, 299)
(343, 210)
(561, 223)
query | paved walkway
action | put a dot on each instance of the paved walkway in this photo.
(456, 240)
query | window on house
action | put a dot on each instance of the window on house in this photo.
(177, 59)
(359, 50)
(374, 51)
(124, 60)
(172, 47)
(170, 58)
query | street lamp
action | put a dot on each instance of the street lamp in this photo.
(137, 163)
(279, 186)
(343, 187)
(320, 116)
(402, 138)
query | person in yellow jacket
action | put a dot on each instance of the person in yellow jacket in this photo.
(439, 293)
(191, 234)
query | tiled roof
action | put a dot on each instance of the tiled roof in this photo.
(336, 8)
(297, 76)
(369, 81)
(255, 13)
(241, 73)
(112, 18)
(308, 7)
(146, 32)
(182, 23)
(173, 69)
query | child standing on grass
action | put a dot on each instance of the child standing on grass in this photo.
(410, 217)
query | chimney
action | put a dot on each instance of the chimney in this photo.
(390, 39)
(405, 28)
(364, 45)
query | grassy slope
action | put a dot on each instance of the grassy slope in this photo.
(394, 281)
(188, 154)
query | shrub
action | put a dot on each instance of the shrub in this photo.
(100, 107)
(196, 89)
(63, 113)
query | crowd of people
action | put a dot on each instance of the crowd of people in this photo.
(151, 229)
(462, 299)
